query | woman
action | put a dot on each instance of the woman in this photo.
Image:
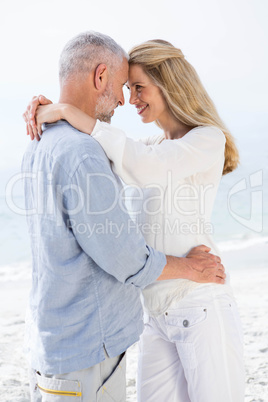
(191, 348)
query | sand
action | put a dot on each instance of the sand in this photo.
(250, 286)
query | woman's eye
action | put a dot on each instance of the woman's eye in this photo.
(138, 88)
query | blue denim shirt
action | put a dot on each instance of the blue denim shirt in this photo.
(89, 260)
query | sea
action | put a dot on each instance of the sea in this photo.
(240, 215)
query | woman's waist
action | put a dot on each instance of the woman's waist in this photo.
(165, 287)
(161, 289)
(162, 295)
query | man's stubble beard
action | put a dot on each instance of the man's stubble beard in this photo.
(105, 105)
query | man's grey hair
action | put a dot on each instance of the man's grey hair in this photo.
(86, 51)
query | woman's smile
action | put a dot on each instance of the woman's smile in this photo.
(140, 109)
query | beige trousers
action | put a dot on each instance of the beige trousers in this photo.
(104, 382)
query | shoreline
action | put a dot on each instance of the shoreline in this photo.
(248, 269)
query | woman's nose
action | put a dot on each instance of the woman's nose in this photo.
(133, 98)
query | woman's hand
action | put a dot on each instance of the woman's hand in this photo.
(29, 115)
(41, 110)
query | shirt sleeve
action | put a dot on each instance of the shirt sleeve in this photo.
(141, 164)
(103, 228)
(152, 140)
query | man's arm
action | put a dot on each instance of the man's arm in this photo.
(102, 225)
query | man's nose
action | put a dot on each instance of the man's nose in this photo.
(122, 99)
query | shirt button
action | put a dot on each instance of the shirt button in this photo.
(185, 323)
(166, 313)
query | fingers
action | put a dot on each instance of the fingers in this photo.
(39, 129)
(25, 118)
(33, 106)
(43, 100)
(202, 248)
(215, 265)
(215, 258)
(203, 252)
(212, 258)
(35, 132)
(221, 267)
(36, 101)
(220, 272)
(29, 116)
(30, 131)
(219, 281)
(212, 278)
(210, 275)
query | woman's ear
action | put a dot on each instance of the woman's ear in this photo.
(100, 78)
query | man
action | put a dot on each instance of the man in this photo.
(89, 263)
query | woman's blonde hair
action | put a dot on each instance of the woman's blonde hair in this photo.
(183, 91)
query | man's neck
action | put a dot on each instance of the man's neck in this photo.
(77, 96)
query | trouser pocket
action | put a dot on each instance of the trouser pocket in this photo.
(184, 326)
(57, 390)
(114, 387)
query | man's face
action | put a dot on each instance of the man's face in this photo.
(113, 95)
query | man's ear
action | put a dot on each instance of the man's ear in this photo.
(100, 78)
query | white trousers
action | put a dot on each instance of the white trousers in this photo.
(104, 382)
(193, 352)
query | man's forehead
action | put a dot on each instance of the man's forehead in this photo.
(126, 66)
(124, 69)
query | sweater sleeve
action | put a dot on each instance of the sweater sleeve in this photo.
(143, 165)
(152, 140)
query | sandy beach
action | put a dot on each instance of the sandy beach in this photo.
(250, 284)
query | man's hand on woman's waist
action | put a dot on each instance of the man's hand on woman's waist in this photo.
(198, 266)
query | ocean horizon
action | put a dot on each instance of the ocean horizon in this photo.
(239, 219)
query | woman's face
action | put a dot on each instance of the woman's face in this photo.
(146, 96)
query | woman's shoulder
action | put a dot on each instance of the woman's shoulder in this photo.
(209, 131)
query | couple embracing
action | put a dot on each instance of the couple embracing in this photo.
(96, 292)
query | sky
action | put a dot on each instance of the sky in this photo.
(225, 40)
